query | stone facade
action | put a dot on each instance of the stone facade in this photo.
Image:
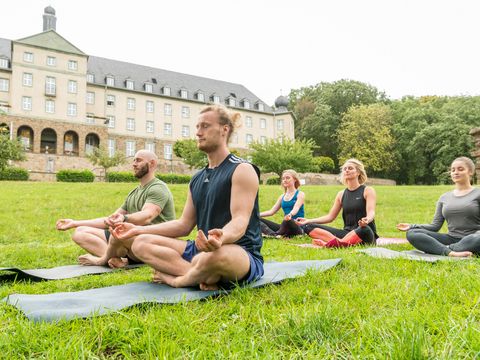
(476, 153)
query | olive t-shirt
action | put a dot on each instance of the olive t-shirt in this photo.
(155, 192)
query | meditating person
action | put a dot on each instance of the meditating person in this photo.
(291, 202)
(223, 202)
(357, 203)
(461, 209)
(150, 202)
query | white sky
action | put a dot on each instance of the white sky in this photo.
(410, 47)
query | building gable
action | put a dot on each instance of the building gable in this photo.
(51, 40)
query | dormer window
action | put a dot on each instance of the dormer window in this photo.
(184, 93)
(245, 103)
(3, 63)
(215, 99)
(90, 78)
(166, 91)
(110, 81)
(129, 84)
(148, 87)
(259, 106)
(200, 96)
(231, 101)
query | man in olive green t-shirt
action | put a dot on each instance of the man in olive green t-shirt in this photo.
(149, 203)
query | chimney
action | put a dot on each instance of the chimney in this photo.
(49, 19)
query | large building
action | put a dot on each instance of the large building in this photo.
(62, 102)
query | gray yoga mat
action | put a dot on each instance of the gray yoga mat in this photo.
(409, 254)
(62, 272)
(81, 304)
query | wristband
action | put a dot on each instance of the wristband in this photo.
(125, 218)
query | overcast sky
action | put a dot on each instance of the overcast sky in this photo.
(414, 47)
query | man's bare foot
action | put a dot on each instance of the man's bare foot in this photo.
(162, 278)
(204, 286)
(117, 263)
(460, 253)
(90, 260)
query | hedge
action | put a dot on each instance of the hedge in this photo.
(121, 176)
(126, 176)
(174, 178)
(14, 174)
(75, 176)
(273, 181)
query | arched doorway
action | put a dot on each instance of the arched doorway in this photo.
(4, 129)
(25, 136)
(70, 143)
(91, 141)
(48, 141)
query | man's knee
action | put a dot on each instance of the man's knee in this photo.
(79, 234)
(139, 245)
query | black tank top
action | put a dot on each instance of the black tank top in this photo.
(354, 208)
(211, 192)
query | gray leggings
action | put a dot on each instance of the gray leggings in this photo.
(435, 243)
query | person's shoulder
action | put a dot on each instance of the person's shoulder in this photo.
(368, 190)
(446, 196)
(243, 163)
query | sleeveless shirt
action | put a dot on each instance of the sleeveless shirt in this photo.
(354, 208)
(211, 194)
(287, 206)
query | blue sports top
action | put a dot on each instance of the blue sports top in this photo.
(287, 206)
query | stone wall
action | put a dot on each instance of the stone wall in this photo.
(328, 179)
(476, 153)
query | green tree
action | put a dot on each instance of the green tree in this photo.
(10, 150)
(188, 151)
(366, 134)
(100, 156)
(278, 155)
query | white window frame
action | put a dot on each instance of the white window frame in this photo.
(167, 109)
(110, 81)
(201, 96)
(131, 104)
(216, 99)
(4, 63)
(246, 104)
(90, 97)
(111, 100)
(167, 151)
(72, 87)
(232, 101)
(248, 139)
(130, 124)
(72, 109)
(248, 122)
(51, 61)
(149, 106)
(72, 65)
(111, 147)
(185, 131)
(183, 93)
(260, 107)
(50, 85)
(263, 123)
(90, 78)
(4, 84)
(167, 129)
(148, 87)
(111, 121)
(130, 148)
(27, 79)
(280, 124)
(263, 140)
(150, 146)
(166, 91)
(26, 103)
(149, 126)
(185, 112)
(28, 57)
(50, 106)
(129, 84)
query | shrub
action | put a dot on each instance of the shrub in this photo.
(75, 176)
(121, 176)
(273, 180)
(322, 164)
(14, 174)
(174, 178)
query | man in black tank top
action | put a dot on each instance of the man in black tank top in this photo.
(223, 203)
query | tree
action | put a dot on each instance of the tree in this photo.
(188, 151)
(10, 150)
(100, 156)
(278, 155)
(366, 134)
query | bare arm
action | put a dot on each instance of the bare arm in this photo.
(100, 223)
(371, 198)
(298, 204)
(145, 216)
(274, 209)
(332, 214)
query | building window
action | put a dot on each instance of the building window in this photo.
(90, 98)
(50, 86)
(72, 65)
(185, 112)
(4, 84)
(90, 78)
(70, 143)
(167, 151)
(72, 86)
(216, 99)
(186, 131)
(149, 88)
(150, 126)
(92, 141)
(167, 109)
(27, 103)
(280, 124)
(130, 148)
(131, 104)
(72, 109)
(51, 61)
(248, 122)
(150, 106)
(166, 91)
(249, 139)
(263, 124)
(263, 140)
(49, 106)
(167, 129)
(110, 121)
(110, 100)
(90, 119)
(200, 97)
(48, 141)
(246, 104)
(27, 79)
(110, 81)
(234, 139)
(231, 101)
(4, 63)
(150, 147)
(260, 107)
(184, 93)
(130, 124)
(129, 84)
(111, 147)
(28, 57)
(25, 135)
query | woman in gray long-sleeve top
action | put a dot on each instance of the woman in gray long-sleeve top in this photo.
(461, 209)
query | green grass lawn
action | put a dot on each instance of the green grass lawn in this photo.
(364, 308)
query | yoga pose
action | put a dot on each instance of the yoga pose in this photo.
(292, 204)
(223, 202)
(461, 209)
(150, 202)
(357, 203)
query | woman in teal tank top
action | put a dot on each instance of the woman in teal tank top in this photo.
(292, 204)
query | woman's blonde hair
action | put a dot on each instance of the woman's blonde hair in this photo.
(468, 162)
(225, 117)
(295, 176)
(362, 176)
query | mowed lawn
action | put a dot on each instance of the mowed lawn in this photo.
(364, 308)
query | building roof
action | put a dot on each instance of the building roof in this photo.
(50, 39)
(6, 49)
